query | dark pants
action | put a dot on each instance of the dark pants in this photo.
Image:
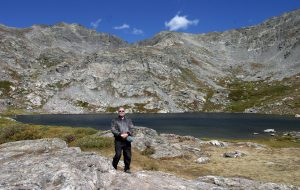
(126, 147)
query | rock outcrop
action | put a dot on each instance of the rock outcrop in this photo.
(171, 145)
(162, 145)
(293, 134)
(50, 164)
(66, 68)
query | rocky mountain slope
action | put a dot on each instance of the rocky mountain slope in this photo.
(66, 68)
(50, 164)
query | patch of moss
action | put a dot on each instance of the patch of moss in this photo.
(59, 85)
(208, 105)
(115, 109)
(139, 107)
(189, 76)
(246, 94)
(297, 103)
(5, 86)
(195, 105)
(14, 75)
(48, 61)
(111, 109)
(279, 142)
(91, 142)
(82, 104)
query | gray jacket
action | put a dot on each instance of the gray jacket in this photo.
(119, 126)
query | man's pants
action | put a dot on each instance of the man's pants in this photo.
(126, 147)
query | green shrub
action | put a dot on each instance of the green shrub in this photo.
(15, 131)
(297, 103)
(84, 131)
(7, 132)
(148, 151)
(28, 133)
(82, 104)
(246, 94)
(69, 138)
(5, 86)
(94, 142)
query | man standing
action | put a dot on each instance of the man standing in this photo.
(121, 127)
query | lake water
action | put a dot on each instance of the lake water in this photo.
(211, 125)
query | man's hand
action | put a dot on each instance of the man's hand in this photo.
(124, 135)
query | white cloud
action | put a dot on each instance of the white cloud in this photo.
(124, 26)
(137, 31)
(180, 22)
(96, 23)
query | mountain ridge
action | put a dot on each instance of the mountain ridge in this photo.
(66, 68)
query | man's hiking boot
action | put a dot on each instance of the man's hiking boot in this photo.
(116, 167)
(128, 171)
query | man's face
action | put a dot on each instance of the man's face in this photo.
(121, 112)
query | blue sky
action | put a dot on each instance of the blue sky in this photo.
(134, 20)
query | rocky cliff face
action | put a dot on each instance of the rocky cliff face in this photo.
(50, 164)
(66, 68)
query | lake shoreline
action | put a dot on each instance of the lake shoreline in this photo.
(200, 125)
(264, 138)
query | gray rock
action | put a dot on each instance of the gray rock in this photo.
(50, 164)
(146, 137)
(236, 154)
(202, 160)
(251, 110)
(251, 145)
(293, 134)
(269, 131)
(217, 143)
(240, 183)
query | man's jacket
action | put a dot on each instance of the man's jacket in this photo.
(119, 126)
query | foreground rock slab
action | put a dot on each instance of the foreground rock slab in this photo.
(50, 164)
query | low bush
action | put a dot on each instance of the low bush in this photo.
(94, 142)
(148, 151)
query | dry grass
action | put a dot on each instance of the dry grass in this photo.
(279, 165)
